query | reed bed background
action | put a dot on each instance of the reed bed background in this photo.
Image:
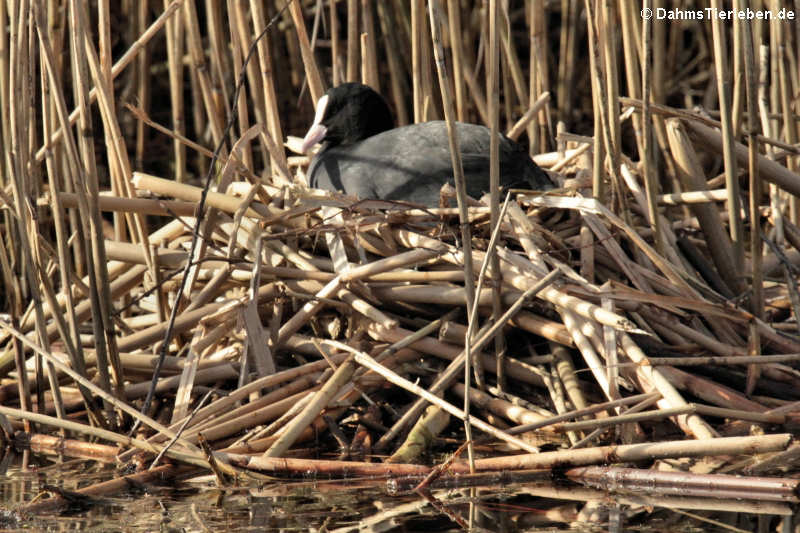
(166, 268)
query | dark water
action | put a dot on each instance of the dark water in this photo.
(364, 505)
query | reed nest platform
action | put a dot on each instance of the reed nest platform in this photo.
(177, 301)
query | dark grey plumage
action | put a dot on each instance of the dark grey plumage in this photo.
(410, 163)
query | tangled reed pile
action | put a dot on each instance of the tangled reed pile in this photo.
(247, 324)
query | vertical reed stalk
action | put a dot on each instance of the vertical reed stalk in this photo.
(237, 59)
(788, 111)
(454, 25)
(267, 77)
(31, 266)
(731, 182)
(565, 60)
(633, 54)
(142, 84)
(369, 53)
(175, 40)
(69, 332)
(352, 41)
(5, 101)
(539, 79)
(757, 298)
(647, 154)
(194, 42)
(397, 73)
(598, 155)
(336, 71)
(660, 59)
(435, 13)
(315, 84)
(737, 104)
(105, 337)
(512, 62)
(238, 21)
(493, 92)
(105, 53)
(607, 20)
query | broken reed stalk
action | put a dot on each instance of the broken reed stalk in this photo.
(312, 409)
(363, 359)
(627, 453)
(119, 404)
(691, 174)
(446, 378)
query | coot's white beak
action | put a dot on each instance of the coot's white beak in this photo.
(317, 131)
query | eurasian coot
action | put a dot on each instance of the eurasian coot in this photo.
(364, 155)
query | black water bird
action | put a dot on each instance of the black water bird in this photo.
(364, 155)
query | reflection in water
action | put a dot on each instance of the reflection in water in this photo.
(367, 505)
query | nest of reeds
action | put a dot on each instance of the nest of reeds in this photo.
(235, 316)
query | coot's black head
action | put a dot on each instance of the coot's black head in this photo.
(348, 113)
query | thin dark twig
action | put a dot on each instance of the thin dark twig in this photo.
(169, 275)
(178, 433)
